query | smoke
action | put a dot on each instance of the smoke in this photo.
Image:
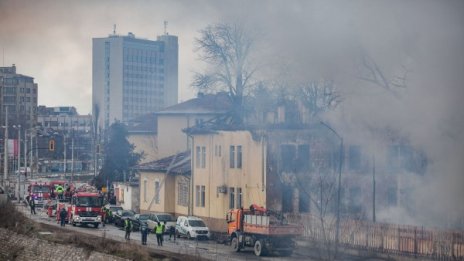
(297, 42)
(420, 41)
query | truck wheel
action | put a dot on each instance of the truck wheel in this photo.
(235, 244)
(188, 236)
(74, 224)
(95, 225)
(259, 248)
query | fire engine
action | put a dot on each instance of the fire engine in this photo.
(86, 207)
(39, 192)
(264, 230)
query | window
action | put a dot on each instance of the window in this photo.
(200, 196)
(232, 157)
(182, 193)
(197, 157)
(303, 158)
(217, 150)
(200, 160)
(287, 157)
(203, 157)
(145, 191)
(239, 157)
(203, 194)
(197, 196)
(239, 198)
(231, 198)
(157, 192)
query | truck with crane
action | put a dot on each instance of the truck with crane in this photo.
(263, 230)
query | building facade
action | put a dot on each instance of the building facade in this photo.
(19, 94)
(73, 136)
(133, 76)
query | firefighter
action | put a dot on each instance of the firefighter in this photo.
(63, 215)
(128, 228)
(144, 231)
(59, 190)
(103, 216)
(32, 204)
(159, 234)
(108, 215)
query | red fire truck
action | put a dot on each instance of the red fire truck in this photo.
(86, 207)
(39, 192)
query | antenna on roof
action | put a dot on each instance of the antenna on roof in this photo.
(114, 29)
(165, 27)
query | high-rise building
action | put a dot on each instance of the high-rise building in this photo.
(133, 76)
(19, 94)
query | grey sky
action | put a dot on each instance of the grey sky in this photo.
(297, 41)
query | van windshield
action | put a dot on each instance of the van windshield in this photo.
(40, 188)
(165, 218)
(196, 223)
(88, 202)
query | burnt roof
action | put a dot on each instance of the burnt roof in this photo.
(146, 123)
(178, 164)
(204, 104)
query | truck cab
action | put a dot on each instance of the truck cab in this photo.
(86, 208)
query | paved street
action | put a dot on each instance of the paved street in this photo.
(200, 248)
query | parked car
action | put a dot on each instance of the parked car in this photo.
(121, 215)
(154, 218)
(113, 209)
(137, 219)
(192, 227)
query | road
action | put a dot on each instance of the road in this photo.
(206, 249)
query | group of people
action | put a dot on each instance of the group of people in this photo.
(159, 231)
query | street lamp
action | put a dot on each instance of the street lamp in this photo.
(340, 162)
(18, 127)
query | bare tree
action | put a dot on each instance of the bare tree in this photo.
(319, 96)
(370, 71)
(226, 48)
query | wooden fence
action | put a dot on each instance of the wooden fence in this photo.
(387, 238)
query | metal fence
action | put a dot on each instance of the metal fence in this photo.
(386, 238)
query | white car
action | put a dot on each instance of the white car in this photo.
(167, 218)
(192, 227)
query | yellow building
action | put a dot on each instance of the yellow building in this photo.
(228, 172)
(164, 185)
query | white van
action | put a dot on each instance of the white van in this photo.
(192, 227)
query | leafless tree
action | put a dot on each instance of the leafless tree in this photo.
(370, 71)
(319, 96)
(226, 48)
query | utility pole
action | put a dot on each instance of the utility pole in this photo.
(72, 158)
(64, 155)
(5, 148)
(373, 188)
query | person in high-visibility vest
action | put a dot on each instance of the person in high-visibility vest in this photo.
(128, 228)
(59, 190)
(159, 234)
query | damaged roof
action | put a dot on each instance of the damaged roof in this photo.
(146, 123)
(178, 164)
(204, 104)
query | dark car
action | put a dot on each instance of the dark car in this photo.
(137, 219)
(113, 209)
(121, 215)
